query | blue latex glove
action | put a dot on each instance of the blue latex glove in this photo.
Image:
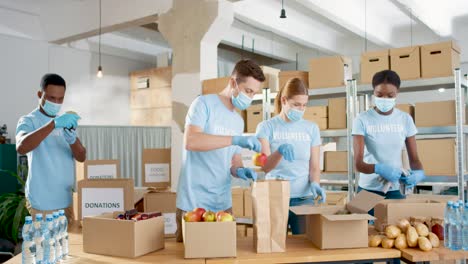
(250, 143)
(66, 121)
(318, 191)
(414, 178)
(389, 173)
(70, 136)
(246, 174)
(287, 151)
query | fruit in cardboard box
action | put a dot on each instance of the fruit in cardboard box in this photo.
(199, 212)
(422, 229)
(434, 240)
(259, 159)
(375, 241)
(209, 216)
(192, 217)
(392, 231)
(424, 244)
(222, 216)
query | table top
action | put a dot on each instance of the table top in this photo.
(299, 249)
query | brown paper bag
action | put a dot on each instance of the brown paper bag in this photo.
(270, 202)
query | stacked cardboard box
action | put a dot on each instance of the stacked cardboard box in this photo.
(214, 86)
(156, 168)
(336, 161)
(318, 115)
(406, 62)
(407, 108)
(373, 62)
(285, 76)
(337, 113)
(438, 156)
(439, 59)
(436, 114)
(329, 72)
(164, 202)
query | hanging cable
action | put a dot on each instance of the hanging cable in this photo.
(99, 72)
(365, 25)
(411, 26)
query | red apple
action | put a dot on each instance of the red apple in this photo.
(209, 216)
(222, 216)
(191, 217)
(199, 212)
(259, 159)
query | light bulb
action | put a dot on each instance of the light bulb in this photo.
(99, 73)
(441, 90)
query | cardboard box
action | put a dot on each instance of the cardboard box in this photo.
(156, 168)
(199, 243)
(336, 198)
(164, 202)
(105, 235)
(285, 76)
(237, 202)
(214, 86)
(329, 72)
(336, 161)
(241, 230)
(97, 169)
(321, 122)
(249, 232)
(96, 197)
(327, 230)
(248, 210)
(337, 113)
(373, 62)
(435, 114)
(254, 117)
(407, 108)
(271, 78)
(439, 59)
(314, 112)
(324, 148)
(438, 156)
(390, 211)
(406, 62)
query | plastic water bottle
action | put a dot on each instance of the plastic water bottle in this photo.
(57, 236)
(38, 238)
(64, 233)
(465, 228)
(447, 217)
(49, 241)
(28, 248)
(455, 231)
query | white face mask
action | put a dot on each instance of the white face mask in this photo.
(52, 109)
(384, 104)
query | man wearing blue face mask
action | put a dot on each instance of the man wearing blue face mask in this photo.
(51, 145)
(292, 145)
(379, 136)
(213, 143)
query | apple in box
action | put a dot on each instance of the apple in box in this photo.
(201, 215)
(259, 159)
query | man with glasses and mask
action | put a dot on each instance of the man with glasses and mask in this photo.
(51, 144)
(213, 141)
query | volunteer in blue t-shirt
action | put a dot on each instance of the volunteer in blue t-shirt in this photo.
(213, 141)
(51, 145)
(292, 145)
(379, 136)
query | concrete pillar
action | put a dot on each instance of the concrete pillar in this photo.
(194, 29)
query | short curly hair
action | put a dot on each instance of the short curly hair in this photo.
(247, 68)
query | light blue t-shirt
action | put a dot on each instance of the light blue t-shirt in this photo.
(302, 135)
(205, 177)
(51, 175)
(384, 138)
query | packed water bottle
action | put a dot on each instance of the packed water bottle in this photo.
(38, 238)
(28, 248)
(455, 231)
(465, 228)
(447, 217)
(57, 236)
(49, 241)
(64, 233)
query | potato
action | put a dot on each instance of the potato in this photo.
(434, 239)
(403, 224)
(374, 241)
(412, 236)
(400, 242)
(422, 229)
(388, 242)
(392, 231)
(424, 244)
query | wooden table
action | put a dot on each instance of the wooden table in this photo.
(413, 255)
(299, 250)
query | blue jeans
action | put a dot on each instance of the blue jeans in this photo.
(297, 223)
(396, 195)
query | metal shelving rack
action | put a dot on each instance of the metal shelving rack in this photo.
(352, 92)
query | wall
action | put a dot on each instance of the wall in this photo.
(99, 101)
